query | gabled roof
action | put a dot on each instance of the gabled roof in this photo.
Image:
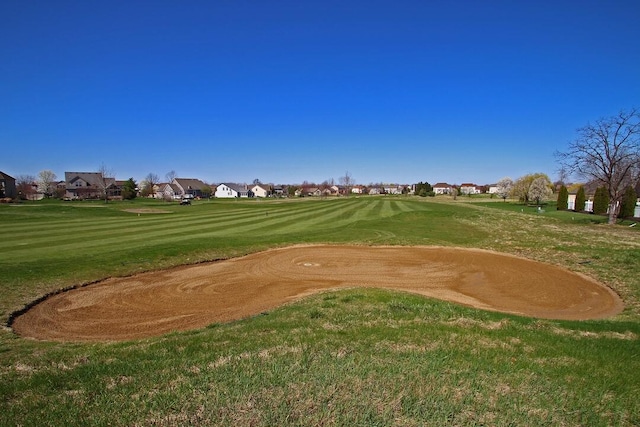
(238, 188)
(94, 179)
(442, 185)
(4, 176)
(190, 183)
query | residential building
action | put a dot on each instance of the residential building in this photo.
(260, 190)
(442, 188)
(227, 190)
(7, 186)
(89, 185)
(191, 187)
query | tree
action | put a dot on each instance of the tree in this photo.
(521, 187)
(505, 185)
(25, 186)
(540, 190)
(424, 189)
(105, 181)
(581, 199)
(600, 201)
(347, 181)
(129, 189)
(149, 184)
(171, 175)
(563, 199)
(607, 152)
(47, 182)
(627, 209)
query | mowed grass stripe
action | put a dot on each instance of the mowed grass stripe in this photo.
(135, 228)
(194, 227)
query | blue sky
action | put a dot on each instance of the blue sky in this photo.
(288, 91)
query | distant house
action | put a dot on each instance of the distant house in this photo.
(167, 191)
(190, 187)
(374, 191)
(89, 185)
(493, 189)
(442, 188)
(260, 190)
(7, 186)
(469, 188)
(358, 189)
(227, 190)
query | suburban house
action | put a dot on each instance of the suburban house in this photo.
(226, 190)
(7, 186)
(358, 189)
(167, 191)
(469, 188)
(260, 190)
(442, 188)
(493, 189)
(89, 185)
(191, 188)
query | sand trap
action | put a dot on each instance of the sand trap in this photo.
(195, 296)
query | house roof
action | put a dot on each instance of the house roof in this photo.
(190, 183)
(94, 179)
(6, 177)
(239, 188)
(442, 185)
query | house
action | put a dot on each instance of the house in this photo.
(227, 190)
(190, 187)
(374, 191)
(469, 188)
(571, 203)
(493, 188)
(260, 190)
(7, 186)
(442, 188)
(358, 189)
(167, 191)
(89, 185)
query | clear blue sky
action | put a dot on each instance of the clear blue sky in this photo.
(292, 90)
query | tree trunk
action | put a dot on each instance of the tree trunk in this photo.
(613, 214)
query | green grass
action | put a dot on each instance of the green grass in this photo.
(353, 357)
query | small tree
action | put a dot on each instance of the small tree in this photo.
(129, 189)
(539, 190)
(600, 201)
(580, 200)
(563, 199)
(347, 182)
(149, 184)
(47, 182)
(505, 185)
(628, 206)
(25, 186)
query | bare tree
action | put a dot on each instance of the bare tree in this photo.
(504, 188)
(25, 186)
(170, 176)
(347, 181)
(149, 184)
(105, 181)
(608, 153)
(47, 182)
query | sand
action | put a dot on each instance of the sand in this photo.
(190, 297)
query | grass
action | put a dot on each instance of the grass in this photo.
(353, 357)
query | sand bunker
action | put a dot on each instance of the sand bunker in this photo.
(195, 296)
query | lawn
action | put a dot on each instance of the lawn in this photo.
(351, 357)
